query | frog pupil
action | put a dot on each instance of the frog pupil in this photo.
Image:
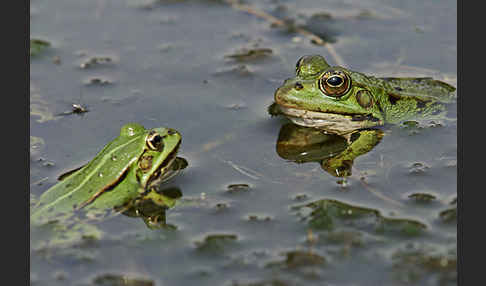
(334, 81)
(156, 140)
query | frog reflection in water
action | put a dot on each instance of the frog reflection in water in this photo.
(123, 176)
(153, 212)
(306, 144)
(350, 104)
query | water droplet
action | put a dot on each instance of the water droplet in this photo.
(444, 262)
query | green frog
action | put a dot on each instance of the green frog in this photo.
(347, 103)
(128, 169)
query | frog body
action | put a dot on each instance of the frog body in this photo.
(341, 101)
(128, 167)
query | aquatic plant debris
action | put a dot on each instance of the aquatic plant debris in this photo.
(215, 242)
(299, 258)
(119, 279)
(329, 215)
(37, 46)
(422, 197)
(96, 61)
(280, 23)
(250, 54)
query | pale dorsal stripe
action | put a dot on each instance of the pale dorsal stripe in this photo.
(94, 171)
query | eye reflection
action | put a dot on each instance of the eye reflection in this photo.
(335, 81)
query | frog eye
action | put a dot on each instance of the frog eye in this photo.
(299, 64)
(310, 65)
(154, 141)
(334, 83)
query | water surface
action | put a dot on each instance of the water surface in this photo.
(166, 64)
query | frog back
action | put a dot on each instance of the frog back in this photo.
(111, 166)
(407, 98)
(420, 88)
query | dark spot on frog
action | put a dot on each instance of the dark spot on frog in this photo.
(397, 88)
(379, 107)
(374, 119)
(355, 136)
(361, 117)
(298, 86)
(171, 131)
(421, 104)
(393, 98)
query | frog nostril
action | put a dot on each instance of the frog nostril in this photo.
(298, 86)
(282, 93)
(171, 131)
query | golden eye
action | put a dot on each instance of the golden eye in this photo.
(154, 141)
(334, 83)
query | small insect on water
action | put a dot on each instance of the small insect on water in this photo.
(76, 108)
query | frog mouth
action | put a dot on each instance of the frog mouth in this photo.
(331, 122)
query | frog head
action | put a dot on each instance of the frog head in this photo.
(159, 153)
(328, 97)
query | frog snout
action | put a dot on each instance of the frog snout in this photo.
(281, 93)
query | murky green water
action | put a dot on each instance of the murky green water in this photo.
(165, 63)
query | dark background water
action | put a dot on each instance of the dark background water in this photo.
(169, 67)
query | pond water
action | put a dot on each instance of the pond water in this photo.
(248, 215)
